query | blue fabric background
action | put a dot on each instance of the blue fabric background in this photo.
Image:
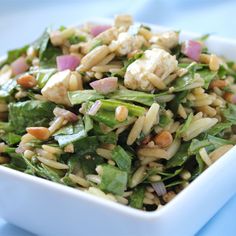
(21, 21)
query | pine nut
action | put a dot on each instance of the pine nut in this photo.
(230, 97)
(164, 139)
(169, 196)
(27, 81)
(4, 160)
(75, 82)
(204, 58)
(219, 83)
(121, 113)
(40, 133)
(214, 63)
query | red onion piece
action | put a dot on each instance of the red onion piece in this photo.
(160, 188)
(94, 108)
(19, 66)
(67, 62)
(106, 85)
(67, 115)
(20, 149)
(97, 29)
(192, 49)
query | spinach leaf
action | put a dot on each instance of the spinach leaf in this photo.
(42, 42)
(184, 83)
(48, 56)
(43, 75)
(108, 118)
(7, 89)
(11, 138)
(133, 96)
(81, 96)
(218, 142)
(196, 145)
(111, 105)
(89, 163)
(5, 126)
(185, 126)
(179, 97)
(199, 169)
(113, 180)
(122, 158)
(164, 120)
(208, 76)
(66, 130)
(76, 39)
(47, 52)
(180, 157)
(89, 144)
(218, 128)
(30, 113)
(136, 199)
(88, 123)
(78, 133)
(229, 113)
(12, 55)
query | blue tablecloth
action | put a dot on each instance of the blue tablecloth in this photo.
(203, 16)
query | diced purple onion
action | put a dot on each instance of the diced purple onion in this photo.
(94, 108)
(192, 49)
(160, 188)
(67, 62)
(67, 115)
(97, 29)
(19, 66)
(106, 85)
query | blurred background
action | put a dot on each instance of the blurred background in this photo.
(22, 21)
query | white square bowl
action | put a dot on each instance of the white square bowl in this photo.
(47, 208)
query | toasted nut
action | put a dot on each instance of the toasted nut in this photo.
(27, 81)
(121, 113)
(40, 133)
(204, 58)
(230, 97)
(163, 139)
(4, 160)
(169, 196)
(218, 83)
(214, 63)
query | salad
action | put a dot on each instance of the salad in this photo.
(117, 111)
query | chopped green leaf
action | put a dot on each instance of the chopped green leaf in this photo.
(133, 96)
(78, 133)
(229, 113)
(81, 96)
(30, 113)
(76, 39)
(185, 126)
(113, 180)
(180, 157)
(136, 199)
(208, 76)
(12, 55)
(122, 158)
(218, 128)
